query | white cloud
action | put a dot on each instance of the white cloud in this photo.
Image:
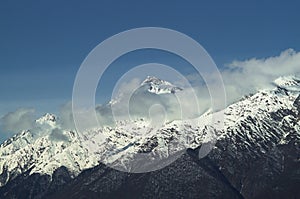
(58, 135)
(135, 102)
(66, 116)
(240, 78)
(244, 77)
(21, 119)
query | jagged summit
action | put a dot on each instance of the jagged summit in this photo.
(155, 80)
(158, 86)
(153, 85)
(48, 117)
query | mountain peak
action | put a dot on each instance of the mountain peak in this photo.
(152, 79)
(159, 86)
(47, 118)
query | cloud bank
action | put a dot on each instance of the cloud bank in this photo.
(240, 78)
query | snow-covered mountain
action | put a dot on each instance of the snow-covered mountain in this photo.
(158, 86)
(252, 128)
(44, 153)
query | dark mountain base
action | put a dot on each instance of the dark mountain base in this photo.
(276, 174)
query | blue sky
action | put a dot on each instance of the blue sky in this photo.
(42, 43)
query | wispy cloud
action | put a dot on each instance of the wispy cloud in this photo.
(240, 78)
(244, 77)
(21, 119)
(66, 117)
(58, 135)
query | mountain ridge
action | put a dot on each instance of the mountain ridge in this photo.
(264, 126)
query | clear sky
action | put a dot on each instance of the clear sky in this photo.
(42, 43)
